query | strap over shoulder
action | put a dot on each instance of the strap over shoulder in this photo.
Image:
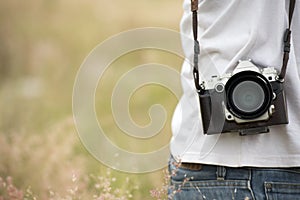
(286, 50)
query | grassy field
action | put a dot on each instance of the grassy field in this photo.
(42, 45)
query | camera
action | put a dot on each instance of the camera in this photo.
(247, 101)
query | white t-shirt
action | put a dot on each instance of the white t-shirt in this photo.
(232, 30)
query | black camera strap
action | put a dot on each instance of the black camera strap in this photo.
(287, 42)
(194, 8)
(286, 50)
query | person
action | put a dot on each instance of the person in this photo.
(231, 166)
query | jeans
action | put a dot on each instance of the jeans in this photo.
(209, 182)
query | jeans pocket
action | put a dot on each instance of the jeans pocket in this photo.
(282, 190)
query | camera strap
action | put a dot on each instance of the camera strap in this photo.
(194, 9)
(286, 50)
(287, 42)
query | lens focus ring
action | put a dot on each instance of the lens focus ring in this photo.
(248, 95)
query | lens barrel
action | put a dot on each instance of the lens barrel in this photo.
(248, 95)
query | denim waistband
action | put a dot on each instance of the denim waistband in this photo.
(214, 172)
(208, 172)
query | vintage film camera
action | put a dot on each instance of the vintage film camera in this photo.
(247, 101)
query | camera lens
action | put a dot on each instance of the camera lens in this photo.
(248, 95)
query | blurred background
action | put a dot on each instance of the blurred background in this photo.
(42, 45)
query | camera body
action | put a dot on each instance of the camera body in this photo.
(247, 101)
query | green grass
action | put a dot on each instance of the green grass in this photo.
(43, 44)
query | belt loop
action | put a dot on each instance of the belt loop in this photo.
(221, 173)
